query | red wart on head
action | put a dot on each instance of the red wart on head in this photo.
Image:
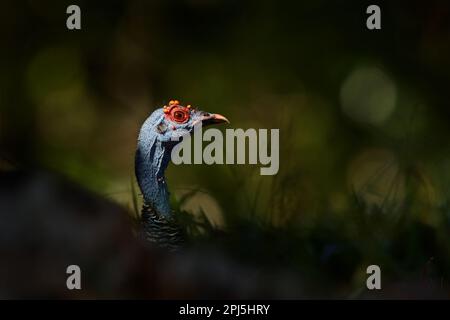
(176, 112)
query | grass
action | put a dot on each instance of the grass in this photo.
(407, 239)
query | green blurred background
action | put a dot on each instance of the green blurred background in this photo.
(363, 115)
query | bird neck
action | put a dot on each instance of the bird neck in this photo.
(152, 159)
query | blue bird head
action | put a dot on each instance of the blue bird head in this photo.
(175, 121)
(159, 134)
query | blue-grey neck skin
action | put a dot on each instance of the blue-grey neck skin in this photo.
(157, 138)
(152, 158)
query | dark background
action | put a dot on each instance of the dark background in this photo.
(363, 116)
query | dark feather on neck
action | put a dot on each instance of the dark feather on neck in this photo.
(163, 232)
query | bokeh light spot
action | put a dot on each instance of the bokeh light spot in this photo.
(375, 176)
(368, 96)
(202, 202)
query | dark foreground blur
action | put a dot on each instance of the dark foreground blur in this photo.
(48, 223)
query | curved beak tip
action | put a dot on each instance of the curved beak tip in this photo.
(220, 118)
(214, 118)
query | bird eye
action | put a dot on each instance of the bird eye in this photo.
(180, 115)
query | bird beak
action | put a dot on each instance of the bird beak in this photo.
(213, 118)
